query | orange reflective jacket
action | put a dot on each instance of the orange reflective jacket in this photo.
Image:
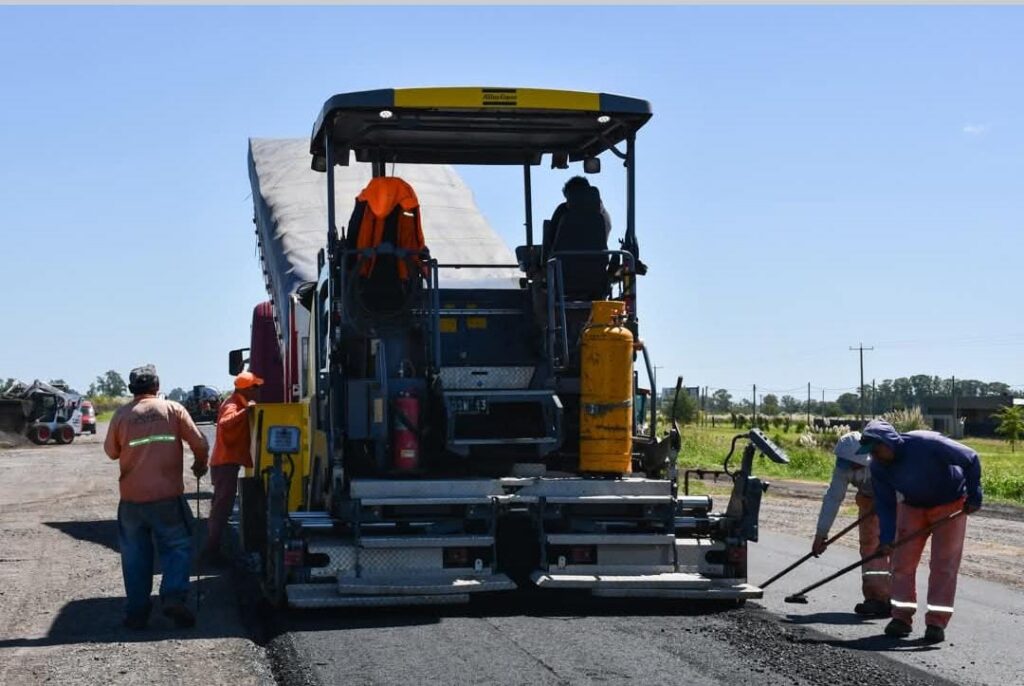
(231, 444)
(382, 196)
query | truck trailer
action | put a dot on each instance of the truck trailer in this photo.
(443, 416)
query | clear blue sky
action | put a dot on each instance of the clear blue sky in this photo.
(812, 178)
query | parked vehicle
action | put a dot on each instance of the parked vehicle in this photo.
(203, 403)
(88, 418)
(41, 412)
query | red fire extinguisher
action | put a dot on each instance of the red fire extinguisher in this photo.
(405, 444)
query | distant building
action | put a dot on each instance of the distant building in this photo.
(973, 416)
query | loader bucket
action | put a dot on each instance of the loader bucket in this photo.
(12, 416)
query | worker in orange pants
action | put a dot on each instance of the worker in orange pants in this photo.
(947, 549)
(936, 477)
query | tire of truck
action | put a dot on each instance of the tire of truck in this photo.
(39, 434)
(64, 434)
(252, 514)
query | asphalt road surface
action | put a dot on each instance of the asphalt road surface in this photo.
(564, 640)
(983, 639)
(543, 639)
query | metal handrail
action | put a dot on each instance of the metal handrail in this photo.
(556, 282)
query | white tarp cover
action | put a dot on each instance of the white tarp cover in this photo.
(290, 202)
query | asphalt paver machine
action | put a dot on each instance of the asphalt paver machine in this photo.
(472, 419)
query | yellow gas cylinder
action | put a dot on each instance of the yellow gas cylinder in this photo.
(606, 391)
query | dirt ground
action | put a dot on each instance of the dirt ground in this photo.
(994, 549)
(61, 592)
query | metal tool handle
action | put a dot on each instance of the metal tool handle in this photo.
(829, 542)
(199, 562)
(799, 595)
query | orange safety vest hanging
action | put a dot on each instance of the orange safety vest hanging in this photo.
(383, 196)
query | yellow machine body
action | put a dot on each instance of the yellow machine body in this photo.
(606, 391)
(282, 414)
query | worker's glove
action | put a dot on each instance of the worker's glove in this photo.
(884, 550)
(971, 508)
(199, 469)
(818, 546)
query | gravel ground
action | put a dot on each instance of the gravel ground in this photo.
(61, 593)
(994, 549)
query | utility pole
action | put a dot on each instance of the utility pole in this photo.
(656, 398)
(823, 403)
(874, 392)
(753, 402)
(956, 419)
(861, 348)
(808, 404)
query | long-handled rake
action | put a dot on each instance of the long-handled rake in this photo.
(801, 595)
(808, 556)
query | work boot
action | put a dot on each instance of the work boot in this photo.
(897, 628)
(934, 634)
(180, 615)
(873, 608)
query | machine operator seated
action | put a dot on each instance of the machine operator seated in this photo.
(580, 224)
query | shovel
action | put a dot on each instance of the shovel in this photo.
(800, 596)
(808, 556)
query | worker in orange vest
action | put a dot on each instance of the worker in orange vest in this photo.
(230, 453)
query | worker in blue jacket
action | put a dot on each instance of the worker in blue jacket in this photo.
(935, 477)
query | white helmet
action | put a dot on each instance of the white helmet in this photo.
(847, 446)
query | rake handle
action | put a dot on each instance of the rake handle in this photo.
(199, 574)
(874, 556)
(808, 556)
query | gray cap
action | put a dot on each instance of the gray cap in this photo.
(847, 449)
(143, 375)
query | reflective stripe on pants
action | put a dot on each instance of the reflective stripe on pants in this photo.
(874, 580)
(947, 550)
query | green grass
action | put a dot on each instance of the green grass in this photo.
(1002, 471)
(105, 416)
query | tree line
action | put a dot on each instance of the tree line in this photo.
(889, 394)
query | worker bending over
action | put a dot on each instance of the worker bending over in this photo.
(852, 468)
(937, 477)
(145, 437)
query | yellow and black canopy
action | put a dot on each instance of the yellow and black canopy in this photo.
(473, 125)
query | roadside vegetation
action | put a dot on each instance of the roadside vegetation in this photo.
(1011, 424)
(811, 457)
